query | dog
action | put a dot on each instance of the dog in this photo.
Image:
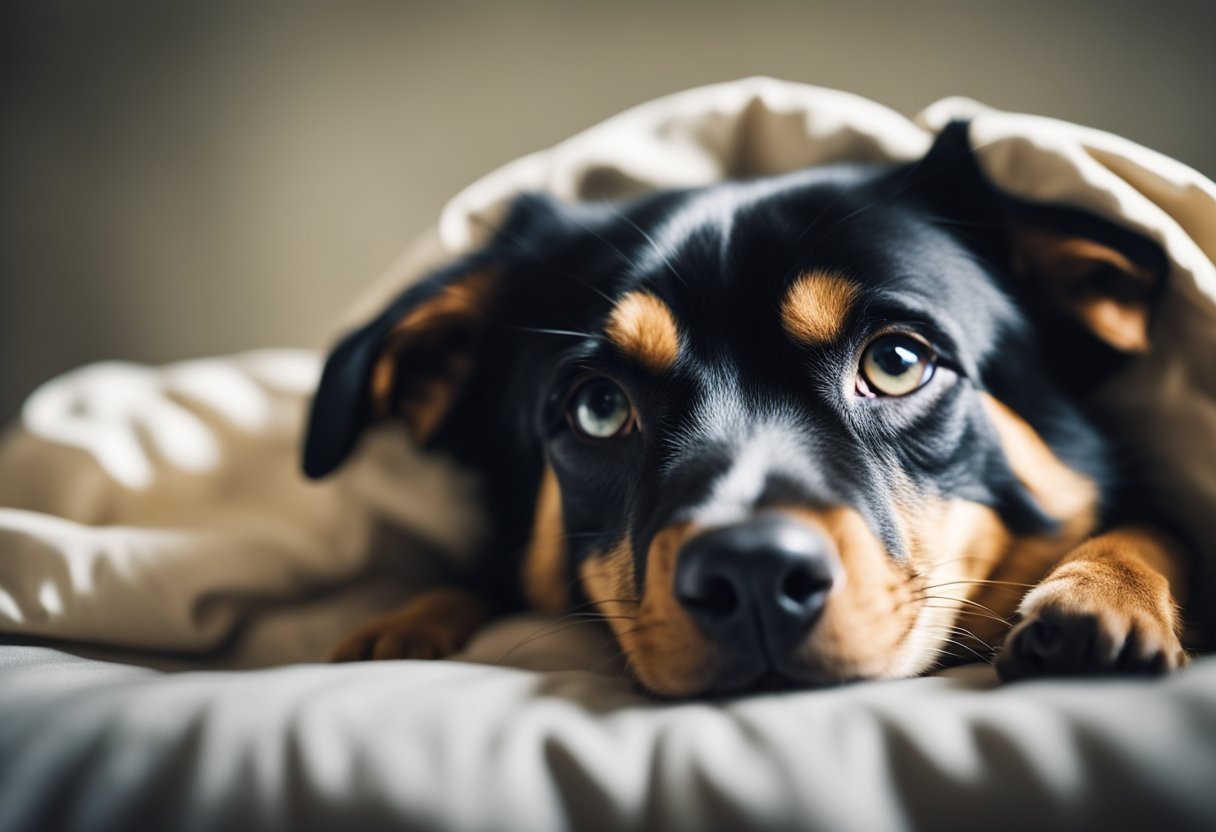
(801, 430)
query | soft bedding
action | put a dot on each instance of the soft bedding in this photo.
(446, 745)
(155, 518)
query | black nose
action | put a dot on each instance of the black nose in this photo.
(756, 585)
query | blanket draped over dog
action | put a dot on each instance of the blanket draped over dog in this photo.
(156, 507)
(161, 509)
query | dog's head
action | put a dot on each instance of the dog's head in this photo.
(774, 430)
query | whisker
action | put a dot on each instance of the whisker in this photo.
(980, 656)
(579, 607)
(934, 566)
(624, 257)
(971, 650)
(983, 581)
(620, 652)
(909, 179)
(962, 631)
(966, 601)
(940, 652)
(957, 611)
(654, 245)
(530, 250)
(519, 553)
(552, 629)
(545, 331)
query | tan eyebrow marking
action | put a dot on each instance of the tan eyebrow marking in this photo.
(816, 307)
(644, 328)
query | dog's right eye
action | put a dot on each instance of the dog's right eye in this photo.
(600, 409)
(895, 364)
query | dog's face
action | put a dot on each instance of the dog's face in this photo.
(776, 431)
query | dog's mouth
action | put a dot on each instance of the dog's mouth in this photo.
(785, 600)
(797, 599)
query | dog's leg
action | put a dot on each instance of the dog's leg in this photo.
(432, 625)
(1106, 608)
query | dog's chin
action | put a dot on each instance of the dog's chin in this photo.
(755, 675)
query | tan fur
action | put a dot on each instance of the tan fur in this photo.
(644, 328)
(544, 574)
(1060, 491)
(457, 305)
(970, 574)
(893, 618)
(952, 544)
(969, 569)
(972, 570)
(424, 410)
(869, 611)
(817, 307)
(608, 579)
(665, 647)
(432, 625)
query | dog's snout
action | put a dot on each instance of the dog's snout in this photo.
(756, 585)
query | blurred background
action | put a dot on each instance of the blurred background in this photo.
(180, 180)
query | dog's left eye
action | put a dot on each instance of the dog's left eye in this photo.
(895, 365)
(601, 410)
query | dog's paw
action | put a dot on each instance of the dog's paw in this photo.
(389, 638)
(1065, 639)
(433, 626)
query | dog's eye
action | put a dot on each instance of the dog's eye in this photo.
(601, 410)
(895, 365)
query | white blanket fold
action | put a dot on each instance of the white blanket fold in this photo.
(155, 508)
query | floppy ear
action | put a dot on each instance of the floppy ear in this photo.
(410, 362)
(413, 361)
(1104, 277)
(1100, 274)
